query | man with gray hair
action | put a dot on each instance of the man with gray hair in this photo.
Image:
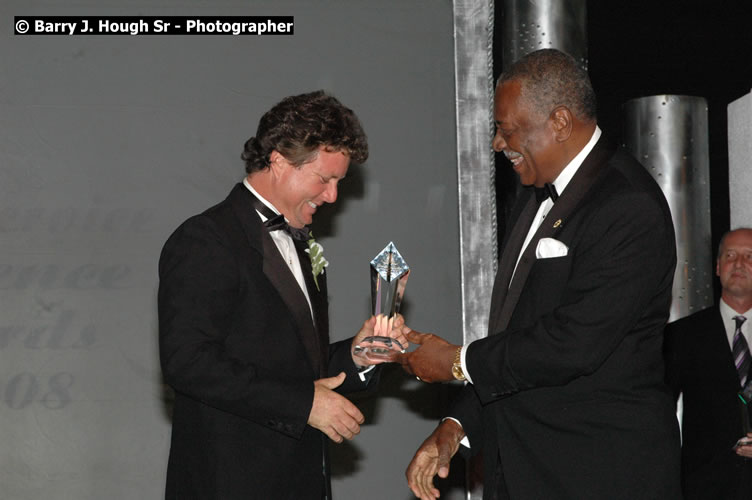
(566, 396)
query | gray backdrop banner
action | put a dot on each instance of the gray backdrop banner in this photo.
(107, 143)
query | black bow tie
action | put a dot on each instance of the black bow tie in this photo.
(278, 222)
(547, 191)
(275, 222)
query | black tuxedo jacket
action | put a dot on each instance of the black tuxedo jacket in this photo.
(568, 399)
(241, 350)
(700, 365)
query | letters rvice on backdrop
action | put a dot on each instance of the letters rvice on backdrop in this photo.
(54, 276)
(67, 219)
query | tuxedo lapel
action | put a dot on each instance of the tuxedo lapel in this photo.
(717, 348)
(556, 219)
(279, 275)
(508, 260)
(576, 190)
(319, 302)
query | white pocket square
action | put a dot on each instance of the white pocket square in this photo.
(548, 248)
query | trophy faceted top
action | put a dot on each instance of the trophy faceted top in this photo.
(389, 263)
(389, 273)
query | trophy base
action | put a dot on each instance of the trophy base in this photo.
(379, 349)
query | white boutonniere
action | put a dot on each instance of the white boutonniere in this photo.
(316, 252)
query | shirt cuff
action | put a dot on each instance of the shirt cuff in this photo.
(465, 440)
(362, 373)
(464, 364)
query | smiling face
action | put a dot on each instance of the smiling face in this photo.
(299, 191)
(734, 268)
(526, 139)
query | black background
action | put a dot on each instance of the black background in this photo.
(639, 48)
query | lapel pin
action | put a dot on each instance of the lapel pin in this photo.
(557, 223)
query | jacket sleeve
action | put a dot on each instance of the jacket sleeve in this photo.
(672, 356)
(340, 360)
(467, 410)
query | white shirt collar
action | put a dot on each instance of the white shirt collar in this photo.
(727, 315)
(566, 175)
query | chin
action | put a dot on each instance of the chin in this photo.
(527, 182)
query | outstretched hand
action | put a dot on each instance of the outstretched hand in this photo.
(744, 447)
(332, 413)
(394, 328)
(432, 360)
(433, 458)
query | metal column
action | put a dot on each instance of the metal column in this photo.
(530, 25)
(668, 134)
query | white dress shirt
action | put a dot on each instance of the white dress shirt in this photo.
(560, 183)
(284, 244)
(727, 314)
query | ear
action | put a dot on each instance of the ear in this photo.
(277, 161)
(562, 123)
(718, 267)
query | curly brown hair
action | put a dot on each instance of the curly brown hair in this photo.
(299, 125)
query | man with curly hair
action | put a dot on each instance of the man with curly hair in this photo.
(243, 324)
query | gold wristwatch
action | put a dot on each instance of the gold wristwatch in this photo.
(457, 372)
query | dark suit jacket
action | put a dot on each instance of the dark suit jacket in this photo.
(568, 399)
(240, 349)
(699, 364)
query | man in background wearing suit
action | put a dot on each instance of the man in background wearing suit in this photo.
(566, 396)
(243, 322)
(707, 358)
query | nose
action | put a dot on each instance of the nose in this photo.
(330, 193)
(498, 143)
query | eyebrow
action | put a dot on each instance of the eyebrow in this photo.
(330, 176)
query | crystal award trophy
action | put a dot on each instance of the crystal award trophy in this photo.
(389, 273)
